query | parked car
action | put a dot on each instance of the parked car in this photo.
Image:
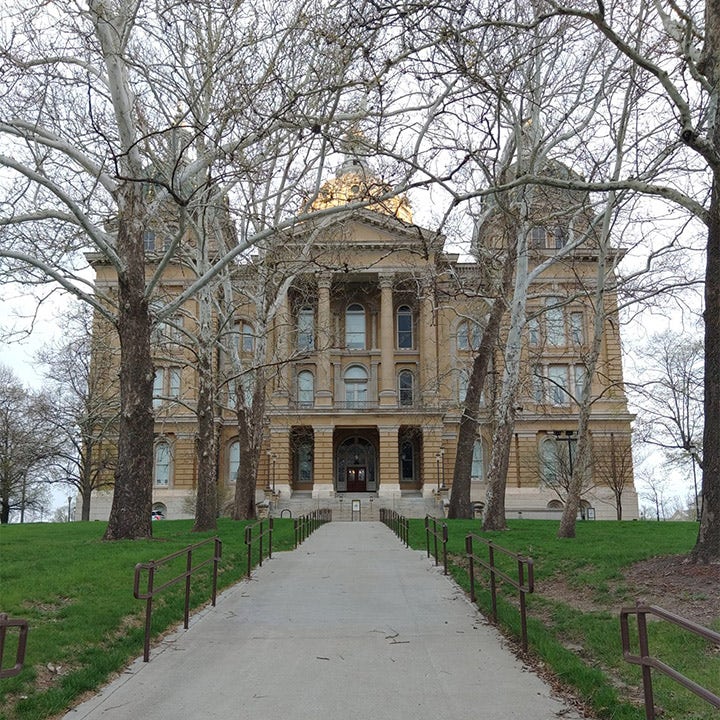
(157, 515)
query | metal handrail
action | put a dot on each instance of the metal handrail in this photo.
(522, 585)
(263, 532)
(440, 534)
(399, 524)
(151, 591)
(5, 623)
(306, 524)
(647, 662)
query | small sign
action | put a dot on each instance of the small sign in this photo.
(356, 506)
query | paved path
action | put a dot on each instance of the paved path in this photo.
(351, 625)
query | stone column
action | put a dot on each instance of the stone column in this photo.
(323, 341)
(389, 464)
(387, 393)
(428, 346)
(323, 465)
(283, 389)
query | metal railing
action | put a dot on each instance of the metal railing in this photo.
(5, 623)
(264, 530)
(306, 524)
(151, 568)
(524, 583)
(647, 662)
(438, 534)
(399, 524)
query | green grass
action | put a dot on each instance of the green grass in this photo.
(580, 645)
(76, 592)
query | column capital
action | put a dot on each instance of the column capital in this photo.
(386, 279)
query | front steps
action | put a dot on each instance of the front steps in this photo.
(357, 506)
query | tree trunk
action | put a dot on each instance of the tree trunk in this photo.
(494, 513)
(130, 516)
(707, 546)
(460, 502)
(206, 502)
(244, 502)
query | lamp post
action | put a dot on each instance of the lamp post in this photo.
(437, 464)
(274, 458)
(69, 503)
(569, 438)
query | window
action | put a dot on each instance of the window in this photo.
(477, 470)
(576, 328)
(404, 328)
(162, 464)
(149, 240)
(248, 338)
(555, 322)
(558, 384)
(306, 329)
(405, 387)
(468, 335)
(233, 461)
(537, 237)
(557, 454)
(580, 375)
(559, 237)
(538, 384)
(355, 327)
(305, 388)
(356, 381)
(533, 325)
(463, 382)
(305, 461)
(407, 462)
(166, 385)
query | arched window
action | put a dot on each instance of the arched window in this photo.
(233, 461)
(463, 382)
(355, 327)
(477, 470)
(356, 382)
(468, 335)
(305, 461)
(404, 328)
(405, 387)
(305, 388)
(306, 329)
(162, 464)
(248, 338)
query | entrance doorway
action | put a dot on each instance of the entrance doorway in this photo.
(356, 479)
(356, 465)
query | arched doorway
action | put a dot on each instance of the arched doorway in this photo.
(356, 466)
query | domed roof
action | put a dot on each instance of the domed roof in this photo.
(352, 183)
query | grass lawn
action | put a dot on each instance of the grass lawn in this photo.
(76, 592)
(574, 628)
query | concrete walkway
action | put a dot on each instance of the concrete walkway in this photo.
(351, 625)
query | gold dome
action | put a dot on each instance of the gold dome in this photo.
(352, 186)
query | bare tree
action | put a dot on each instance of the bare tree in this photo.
(90, 144)
(28, 447)
(84, 417)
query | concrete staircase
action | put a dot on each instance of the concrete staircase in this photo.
(357, 506)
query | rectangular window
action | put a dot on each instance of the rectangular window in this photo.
(538, 237)
(174, 383)
(158, 387)
(580, 375)
(149, 240)
(558, 384)
(538, 384)
(555, 322)
(404, 328)
(576, 328)
(306, 330)
(533, 325)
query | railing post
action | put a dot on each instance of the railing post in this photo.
(427, 535)
(188, 570)
(445, 541)
(493, 593)
(296, 525)
(471, 562)
(248, 542)
(270, 538)
(523, 616)
(148, 614)
(216, 562)
(645, 654)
